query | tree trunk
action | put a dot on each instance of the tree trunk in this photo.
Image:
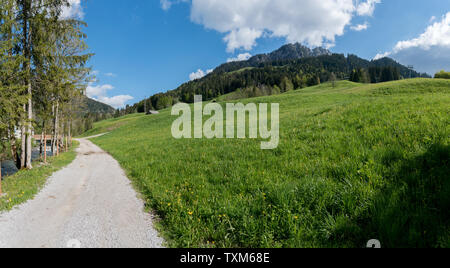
(55, 130)
(13, 142)
(52, 142)
(30, 127)
(1, 178)
(41, 146)
(63, 136)
(70, 133)
(26, 10)
(23, 142)
(45, 147)
(58, 138)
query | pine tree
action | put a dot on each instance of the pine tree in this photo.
(43, 70)
(11, 90)
(333, 79)
(286, 84)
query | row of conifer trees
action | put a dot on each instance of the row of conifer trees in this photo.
(43, 74)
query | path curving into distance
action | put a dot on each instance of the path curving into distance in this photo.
(90, 203)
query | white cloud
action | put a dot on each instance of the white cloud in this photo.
(96, 91)
(116, 101)
(316, 23)
(437, 34)
(75, 10)
(382, 55)
(244, 37)
(199, 74)
(167, 4)
(100, 93)
(367, 8)
(432, 19)
(360, 27)
(240, 57)
(430, 51)
(110, 74)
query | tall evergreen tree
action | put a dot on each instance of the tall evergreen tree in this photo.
(43, 71)
(11, 90)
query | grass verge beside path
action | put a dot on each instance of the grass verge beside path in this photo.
(25, 184)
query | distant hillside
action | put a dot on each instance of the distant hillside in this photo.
(291, 67)
(286, 52)
(87, 112)
(93, 106)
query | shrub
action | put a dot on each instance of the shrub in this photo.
(442, 74)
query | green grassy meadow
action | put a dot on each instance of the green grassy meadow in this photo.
(25, 184)
(355, 162)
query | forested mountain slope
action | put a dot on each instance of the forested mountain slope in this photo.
(93, 106)
(291, 67)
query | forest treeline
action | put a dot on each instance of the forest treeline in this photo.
(43, 76)
(257, 77)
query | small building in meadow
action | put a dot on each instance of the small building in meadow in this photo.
(152, 112)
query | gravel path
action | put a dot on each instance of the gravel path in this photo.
(90, 204)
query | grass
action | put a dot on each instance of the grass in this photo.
(241, 70)
(25, 184)
(110, 125)
(355, 162)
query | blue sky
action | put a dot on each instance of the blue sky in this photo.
(143, 47)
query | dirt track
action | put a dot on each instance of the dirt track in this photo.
(90, 204)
